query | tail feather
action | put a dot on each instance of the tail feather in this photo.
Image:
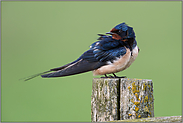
(33, 76)
(54, 69)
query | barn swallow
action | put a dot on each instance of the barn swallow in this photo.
(110, 54)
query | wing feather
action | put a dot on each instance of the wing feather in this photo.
(80, 66)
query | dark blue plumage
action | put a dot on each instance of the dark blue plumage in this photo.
(122, 27)
(113, 51)
(104, 50)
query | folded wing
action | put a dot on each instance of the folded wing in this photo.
(80, 66)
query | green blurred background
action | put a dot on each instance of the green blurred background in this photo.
(37, 36)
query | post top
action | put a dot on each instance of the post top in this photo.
(131, 79)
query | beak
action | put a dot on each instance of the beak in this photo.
(110, 33)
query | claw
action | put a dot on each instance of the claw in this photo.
(108, 76)
(113, 76)
(118, 76)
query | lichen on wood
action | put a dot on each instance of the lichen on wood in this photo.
(118, 99)
(136, 98)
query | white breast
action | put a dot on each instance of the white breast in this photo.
(133, 57)
(118, 65)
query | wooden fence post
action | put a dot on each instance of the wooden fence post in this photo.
(119, 99)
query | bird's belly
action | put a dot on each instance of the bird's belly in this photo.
(116, 66)
(133, 57)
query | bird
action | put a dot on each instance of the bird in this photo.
(113, 52)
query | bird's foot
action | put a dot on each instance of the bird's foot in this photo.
(114, 76)
(119, 76)
(108, 76)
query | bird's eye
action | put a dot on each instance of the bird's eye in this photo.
(126, 33)
(119, 32)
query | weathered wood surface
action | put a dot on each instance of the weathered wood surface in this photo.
(104, 100)
(154, 119)
(120, 99)
(136, 98)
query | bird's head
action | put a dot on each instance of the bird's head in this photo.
(122, 32)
